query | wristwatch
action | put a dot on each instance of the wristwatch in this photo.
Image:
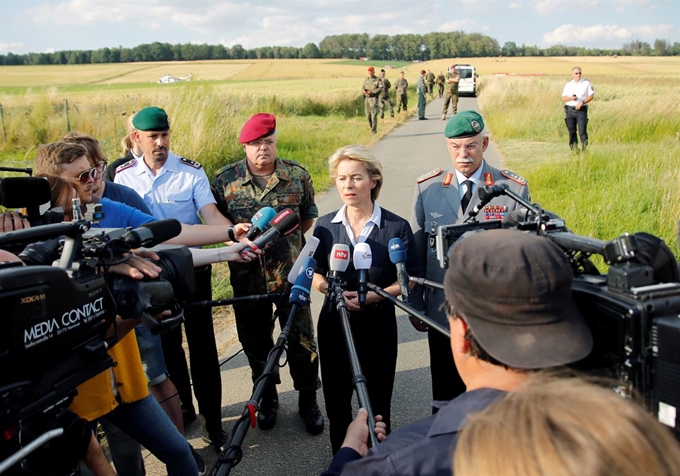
(230, 231)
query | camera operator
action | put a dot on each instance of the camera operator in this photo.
(442, 198)
(13, 221)
(511, 313)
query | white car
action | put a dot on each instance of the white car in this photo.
(468, 79)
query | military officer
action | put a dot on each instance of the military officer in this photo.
(441, 79)
(429, 80)
(176, 187)
(421, 89)
(262, 179)
(401, 88)
(451, 84)
(385, 100)
(442, 197)
(371, 90)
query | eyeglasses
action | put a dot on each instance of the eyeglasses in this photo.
(101, 166)
(84, 176)
(261, 142)
(469, 148)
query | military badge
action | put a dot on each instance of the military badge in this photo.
(495, 212)
(447, 180)
(488, 179)
(126, 165)
(476, 126)
(190, 163)
(514, 177)
(436, 215)
(429, 175)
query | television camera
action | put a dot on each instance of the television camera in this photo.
(57, 315)
(633, 310)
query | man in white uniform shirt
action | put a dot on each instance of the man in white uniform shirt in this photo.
(576, 95)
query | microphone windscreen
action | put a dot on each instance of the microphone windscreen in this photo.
(397, 251)
(163, 230)
(18, 192)
(299, 293)
(339, 258)
(286, 222)
(362, 256)
(307, 250)
(262, 218)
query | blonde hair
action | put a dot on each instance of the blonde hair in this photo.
(62, 194)
(565, 427)
(361, 154)
(126, 142)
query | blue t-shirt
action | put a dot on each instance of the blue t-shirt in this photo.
(123, 194)
(120, 215)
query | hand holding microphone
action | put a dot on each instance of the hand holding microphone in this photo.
(285, 223)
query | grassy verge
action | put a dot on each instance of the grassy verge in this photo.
(627, 181)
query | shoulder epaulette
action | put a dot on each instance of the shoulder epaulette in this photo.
(514, 177)
(126, 165)
(429, 175)
(190, 163)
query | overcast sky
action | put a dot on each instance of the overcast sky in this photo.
(45, 26)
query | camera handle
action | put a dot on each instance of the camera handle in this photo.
(30, 448)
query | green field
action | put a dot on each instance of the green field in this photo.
(627, 181)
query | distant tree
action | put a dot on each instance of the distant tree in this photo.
(378, 47)
(660, 47)
(237, 52)
(310, 50)
(509, 49)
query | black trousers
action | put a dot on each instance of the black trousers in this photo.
(375, 336)
(446, 382)
(205, 367)
(577, 119)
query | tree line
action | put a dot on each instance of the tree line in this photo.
(408, 47)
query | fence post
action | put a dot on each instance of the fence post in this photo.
(68, 122)
(2, 119)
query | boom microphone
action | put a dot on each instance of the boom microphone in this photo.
(285, 223)
(299, 293)
(486, 194)
(307, 251)
(25, 192)
(260, 221)
(152, 233)
(398, 257)
(362, 262)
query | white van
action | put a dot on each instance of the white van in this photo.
(468, 79)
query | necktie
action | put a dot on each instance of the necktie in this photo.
(468, 195)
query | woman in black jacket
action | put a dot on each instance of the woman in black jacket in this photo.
(358, 177)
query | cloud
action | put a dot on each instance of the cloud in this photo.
(14, 47)
(599, 34)
(550, 7)
(459, 25)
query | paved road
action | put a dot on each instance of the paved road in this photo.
(409, 151)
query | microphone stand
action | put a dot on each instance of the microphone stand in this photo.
(232, 454)
(358, 378)
(408, 309)
(226, 302)
(426, 282)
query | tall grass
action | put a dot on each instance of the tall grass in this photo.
(629, 178)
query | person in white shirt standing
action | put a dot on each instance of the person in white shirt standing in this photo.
(576, 95)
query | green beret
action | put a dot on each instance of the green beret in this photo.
(464, 124)
(151, 119)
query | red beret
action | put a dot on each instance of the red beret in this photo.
(260, 125)
(371, 68)
(422, 71)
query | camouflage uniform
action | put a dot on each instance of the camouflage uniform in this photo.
(371, 90)
(385, 98)
(429, 80)
(238, 198)
(451, 94)
(441, 79)
(401, 87)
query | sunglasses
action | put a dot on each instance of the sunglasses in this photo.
(85, 175)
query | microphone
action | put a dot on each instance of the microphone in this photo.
(25, 192)
(362, 262)
(486, 194)
(299, 293)
(214, 255)
(285, 223)
(260, 221)
(152, 233)
(307, 251)
(339, 260)
(398, 257)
